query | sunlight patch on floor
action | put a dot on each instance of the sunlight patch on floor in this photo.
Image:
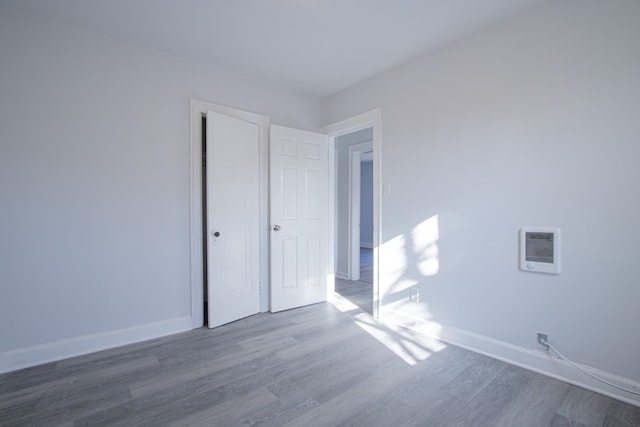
(407, 345)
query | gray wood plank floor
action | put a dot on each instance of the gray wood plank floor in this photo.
(311, 366)
(360, 292)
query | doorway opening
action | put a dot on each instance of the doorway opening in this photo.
(205, 306)
(354, 218)
(365, 257)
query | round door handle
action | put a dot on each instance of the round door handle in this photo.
(216, 234)
(276, 227)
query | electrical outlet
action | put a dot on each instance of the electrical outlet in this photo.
(542, 341)
(414, 295)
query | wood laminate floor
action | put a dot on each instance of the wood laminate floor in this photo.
(313, 366)
(360, 292)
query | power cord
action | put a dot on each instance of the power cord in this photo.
(544, 341)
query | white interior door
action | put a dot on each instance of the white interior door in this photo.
(299, 217)
(232, 180)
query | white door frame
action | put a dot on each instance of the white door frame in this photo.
(353, 241)
(370, 119)
(197, 110)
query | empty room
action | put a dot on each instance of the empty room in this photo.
(182, 199)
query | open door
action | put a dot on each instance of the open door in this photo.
(299, 214)
(233, 284)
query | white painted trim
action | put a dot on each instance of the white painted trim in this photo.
(197, 109)
(77, 346)
(331, 205)
(342, 275)
(353, 240)
(369, 119)
(540, 361)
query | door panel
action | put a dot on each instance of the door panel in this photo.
(232, 219)
(299, 217)
(288, 193)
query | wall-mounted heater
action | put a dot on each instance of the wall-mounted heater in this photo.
(540, 250)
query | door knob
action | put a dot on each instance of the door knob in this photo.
(216, 234)
(276, 227)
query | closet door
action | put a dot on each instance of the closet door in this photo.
(233, 284)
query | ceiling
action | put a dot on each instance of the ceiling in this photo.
(315, 47)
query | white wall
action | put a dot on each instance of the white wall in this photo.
(94, 188)
(366, 204)
(534, 121)
(342, 145)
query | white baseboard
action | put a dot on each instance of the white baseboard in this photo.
(342, 275)
(53, 351)
(540, 361)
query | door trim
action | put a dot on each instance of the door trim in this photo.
(197, 110)
(369, 119)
